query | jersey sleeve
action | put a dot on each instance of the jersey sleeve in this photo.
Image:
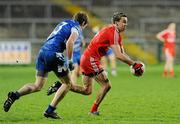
(73, 29)
(163, 34)
(114, 37)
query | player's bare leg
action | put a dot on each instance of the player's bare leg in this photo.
(105, 87)
(104, 62)
(170, 63)
(26, 89)
(172, 68)
(75, 73)
(30, 88)
(112, 60)
(165, 72)
(86, 89)
(168, 67)
(61, 92)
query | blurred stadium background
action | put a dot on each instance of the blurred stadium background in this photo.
(151, 99)
(24, 24)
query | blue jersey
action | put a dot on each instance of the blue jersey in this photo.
(50, 56)
(78, 44)
(109, 52)
(56, 42)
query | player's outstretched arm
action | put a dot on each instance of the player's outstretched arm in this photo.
(119, 53)
(138, 67)
(159, 36)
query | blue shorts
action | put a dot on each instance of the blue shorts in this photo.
(49, 61)
(109, 52)
(76, 58)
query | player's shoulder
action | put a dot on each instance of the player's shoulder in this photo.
(68, 21)
(166, 31)
(110, 27)
(72, 24)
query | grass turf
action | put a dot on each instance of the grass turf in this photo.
(150, 99)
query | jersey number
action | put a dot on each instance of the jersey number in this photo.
(57, 29)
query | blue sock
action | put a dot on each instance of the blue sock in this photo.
(50, 109)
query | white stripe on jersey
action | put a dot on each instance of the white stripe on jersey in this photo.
(93, 64)
(73, 29)
(116, 37)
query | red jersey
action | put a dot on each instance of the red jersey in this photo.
(103, 40)
(169, 41)
(169, 37)
(99, 45)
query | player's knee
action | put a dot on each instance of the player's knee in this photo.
(88, 91)
(107, 87)
(37, 88)
(69, 85)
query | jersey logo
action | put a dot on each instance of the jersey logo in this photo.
(62, 69)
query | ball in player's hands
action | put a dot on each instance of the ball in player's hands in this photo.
(137, 69)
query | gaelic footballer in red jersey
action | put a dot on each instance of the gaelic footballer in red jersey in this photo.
(108, 37)
(98, 48)
(168, 37)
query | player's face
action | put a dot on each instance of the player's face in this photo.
(172, 26)
(121, 24)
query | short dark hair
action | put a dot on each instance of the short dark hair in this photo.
(117, 16)
(81, 17)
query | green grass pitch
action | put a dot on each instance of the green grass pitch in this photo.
(150, 99)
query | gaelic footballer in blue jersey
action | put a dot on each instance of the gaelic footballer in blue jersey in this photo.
(77, 50)
(51, 58)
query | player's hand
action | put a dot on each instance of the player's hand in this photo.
(70, 65)
(138, 69)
